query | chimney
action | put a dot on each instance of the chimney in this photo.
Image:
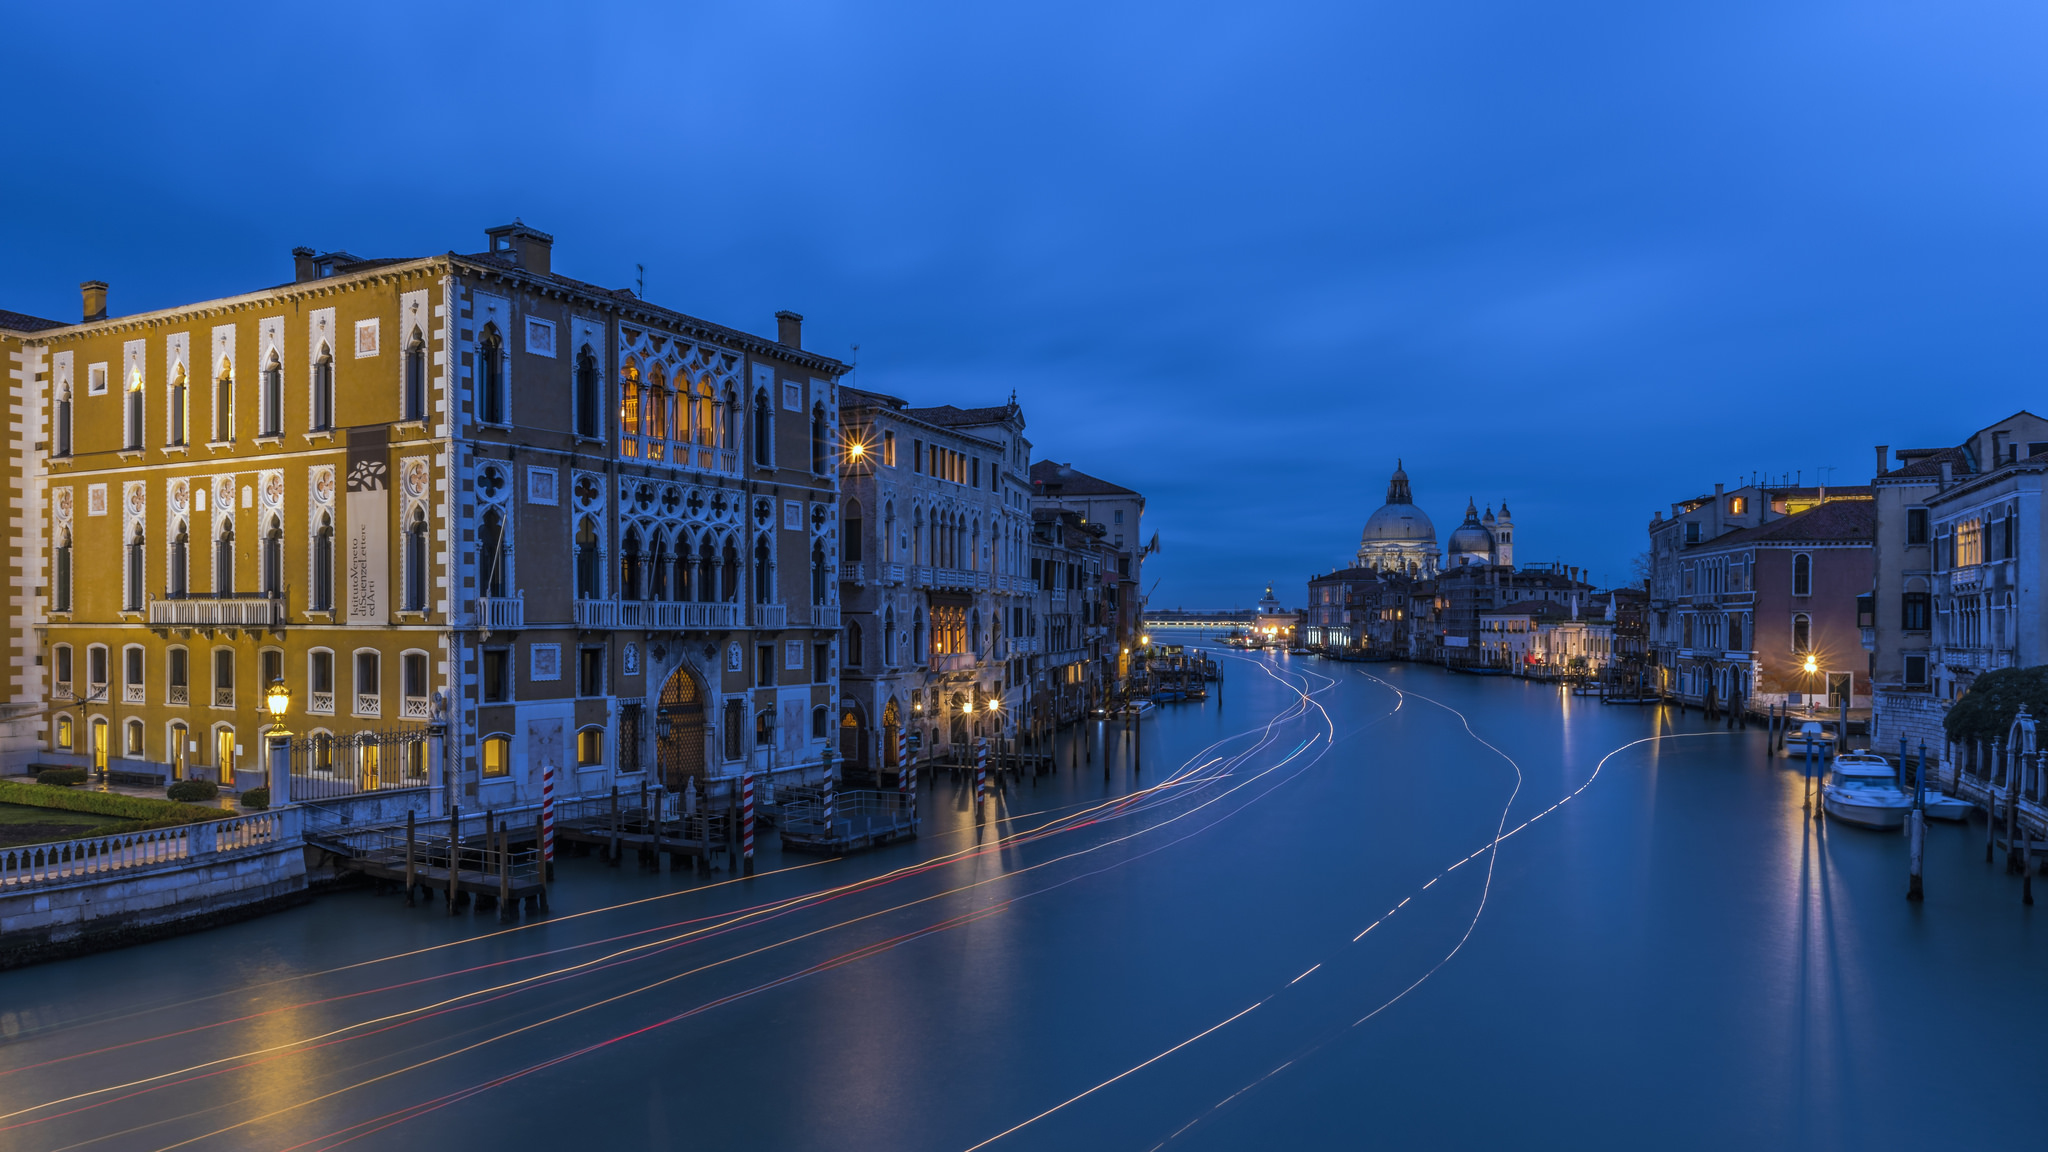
(530, 248)
(1948, 473)
(94, 293)
(302, 264)
(1883, 453)
(789, 329)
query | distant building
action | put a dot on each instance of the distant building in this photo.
(1399, 536)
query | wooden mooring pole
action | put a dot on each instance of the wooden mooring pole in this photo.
(1916, 843)
(504, 872)
(612, 852)
(454, 850)
(411, 876)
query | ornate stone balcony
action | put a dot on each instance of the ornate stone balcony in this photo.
(499, 613)
(218, 610)
(771, 616)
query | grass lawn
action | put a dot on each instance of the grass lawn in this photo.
(23, 824)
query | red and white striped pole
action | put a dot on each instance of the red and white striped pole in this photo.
(547, 817)
(980, 771)
(747, 823)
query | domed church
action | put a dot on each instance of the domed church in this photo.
(1399, 537)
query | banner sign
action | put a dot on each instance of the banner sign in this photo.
(368, 512)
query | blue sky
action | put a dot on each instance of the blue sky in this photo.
(1587, 258)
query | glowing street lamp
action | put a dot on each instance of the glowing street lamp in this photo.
(278, 700)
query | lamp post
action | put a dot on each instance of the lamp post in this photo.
(278, 700)
(1811, 666)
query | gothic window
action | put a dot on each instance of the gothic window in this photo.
(729, 574)
(586, 393)
(60, 589)
(63, 422)
(181, 562)
(654, 412)
(224, 405)
(271, 419)
(764, 572)
(323, 566)
(889, 638)
(416, 562)
(273, 560)
(764, 430)
(629, 409)
(490, 370)
(134, 402)
(588, 580)
(1802, 574)
(818, 446)
(707, 572)
(705, 422)
(853, 644)
(849, 532)
(917, 636)
(657, 569)
(1802, 632)
(629, 565)
(136, 572)
(820, 576)
(323, 391)
(415, 383)
(177, 413)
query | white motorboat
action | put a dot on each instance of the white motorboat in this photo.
(1863, 790)
(1810, 736)
(1943, 807)
(1870, 765)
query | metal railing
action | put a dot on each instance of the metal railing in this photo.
(218, 609)
(71, 861)
(327, 767)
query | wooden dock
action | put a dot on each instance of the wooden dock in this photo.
(860, 819)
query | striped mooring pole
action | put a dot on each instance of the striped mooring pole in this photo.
(831, 796)
(903, 761)
(547, 818)
(980, 771)
(747, 822)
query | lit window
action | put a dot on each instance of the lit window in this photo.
(497, 757)
(590, 747)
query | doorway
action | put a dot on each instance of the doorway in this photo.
(679, 731)
(1839, 688)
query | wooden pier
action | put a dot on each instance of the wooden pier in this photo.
(860, 819)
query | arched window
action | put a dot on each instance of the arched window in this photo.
(177, 735)
(629, 565)
(181, 562)
(729, 420)
(323, 391)
(64, 738)
(177, 413)
(729, 575)
(416, 562)
(1802, 632)
(224, 404)
(854, 647)
(917, 536)
(819, 457)
(63, 422)
(1802, 574)
(60, 587)
(974, 633)
(764, 727)
(589, 583)
(917, 636)
(223, 677)
(657, 569)
(820, 578)
(850, 531)
(490, 558)
(415, 398)
(764, 429)
(134, 402)
(323, 566)
(654, 412)
(889, 531)
(178, 669)
(586, 393)
(224, 560)
(707, 572)
(271, 419)
(704, 423)
(820, 721)
(490, 398)
(134, 742)
(764, 572)
(136, 571)
(497, 756)
(590, 748)
(273, 560)
(629, 408)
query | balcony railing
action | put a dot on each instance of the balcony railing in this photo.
(952, 661)
(369, 704)
(134, 694)
(684, 454)
(890, 573)
(499, 613)
(1024, 645)
(771, 615)
(824, 615)
(412, 708)
(853, 572)
(223, 697)
(954, 578)
(657, 615)
(218, 610)
(179, 694)
(320, 703)
(61, 691)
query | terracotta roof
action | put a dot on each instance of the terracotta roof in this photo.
(1062, 479)
(23, 322)
(1837, 521)
(947, 416)
(1929, 463)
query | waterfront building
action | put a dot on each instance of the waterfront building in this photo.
(940, 614)
(1909, 693)
(1987, 572)
(1072, 667)
(22, 704)
(566, 527)
(1121, 549)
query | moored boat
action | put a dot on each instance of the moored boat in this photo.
(1811, 736)
(1863, 790)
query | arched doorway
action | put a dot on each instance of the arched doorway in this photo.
(892, 728)
(852, 739)
(679, 731)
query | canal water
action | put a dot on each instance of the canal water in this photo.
(1333, 906)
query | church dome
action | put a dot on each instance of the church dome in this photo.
(1399, 521)
(1471, 543)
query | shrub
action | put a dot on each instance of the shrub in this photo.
(255, 799)
(192, 791)
(105, 803)
(61, 777)
(1986, 711)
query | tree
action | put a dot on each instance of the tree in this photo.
(1986, 711)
